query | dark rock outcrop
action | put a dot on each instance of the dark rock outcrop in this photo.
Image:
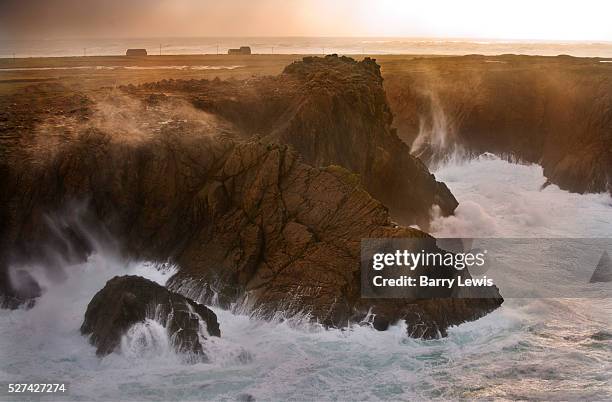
(248, 221)
(128, 300)
(333, 111)
(554, 111)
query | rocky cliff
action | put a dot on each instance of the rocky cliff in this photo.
(555, 111)
(249, 222)
(333, 111)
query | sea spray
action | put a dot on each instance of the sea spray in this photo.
(436, 137)
(145, 340)
(498, 198)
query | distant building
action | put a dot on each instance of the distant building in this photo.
(242, 50)
(136, 52)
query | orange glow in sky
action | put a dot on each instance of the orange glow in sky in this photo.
(496, 19)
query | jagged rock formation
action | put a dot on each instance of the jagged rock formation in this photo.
(333, 111)
(128, 300)
(248, 221)
(555, 111)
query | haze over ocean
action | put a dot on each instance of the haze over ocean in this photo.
(298, 45)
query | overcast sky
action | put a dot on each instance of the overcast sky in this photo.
(501, 19)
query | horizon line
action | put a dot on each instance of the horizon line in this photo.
(390, 37)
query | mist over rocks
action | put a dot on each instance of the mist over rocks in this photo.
(251, 224)
(333, 111)
(554, 111)
(128, 300)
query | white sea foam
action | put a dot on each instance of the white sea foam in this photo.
(502, 199)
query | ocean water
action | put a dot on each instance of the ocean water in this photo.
(297, 45)
(529, 348)
(498, 198)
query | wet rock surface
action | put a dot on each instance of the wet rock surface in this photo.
(128, 300)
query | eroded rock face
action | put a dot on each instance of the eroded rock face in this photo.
(554, 111)
(333, 111)
(127, 300)
(248, 223)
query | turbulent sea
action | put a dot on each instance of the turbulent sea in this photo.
(529, 348)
